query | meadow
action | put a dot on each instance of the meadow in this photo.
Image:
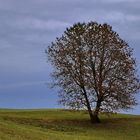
(61, 124)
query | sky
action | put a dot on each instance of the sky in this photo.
(28, 27)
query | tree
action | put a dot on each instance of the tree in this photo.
(94, 68)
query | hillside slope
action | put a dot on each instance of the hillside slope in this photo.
(59, 124)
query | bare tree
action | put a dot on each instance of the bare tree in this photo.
(94, 68)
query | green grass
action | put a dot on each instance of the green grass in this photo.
(59, 124)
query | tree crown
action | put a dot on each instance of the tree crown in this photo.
(94, 65)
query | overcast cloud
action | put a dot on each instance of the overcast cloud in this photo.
(27, 27)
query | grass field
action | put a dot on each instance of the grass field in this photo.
(59, 124)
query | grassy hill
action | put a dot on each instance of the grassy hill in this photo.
(59, 124)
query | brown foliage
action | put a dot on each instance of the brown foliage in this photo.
(94, 68)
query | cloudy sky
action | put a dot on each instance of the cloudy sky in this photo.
(26, 29)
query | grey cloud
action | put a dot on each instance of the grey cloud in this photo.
(32, 24)
(119, 1)
(38, 24)
(23, 84)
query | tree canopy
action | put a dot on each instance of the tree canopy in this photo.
(94, 69)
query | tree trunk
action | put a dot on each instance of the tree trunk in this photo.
(96, 118)
(88, 106)
(93, 116)
(96, 112)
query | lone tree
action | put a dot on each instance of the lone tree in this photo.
(94, 68)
